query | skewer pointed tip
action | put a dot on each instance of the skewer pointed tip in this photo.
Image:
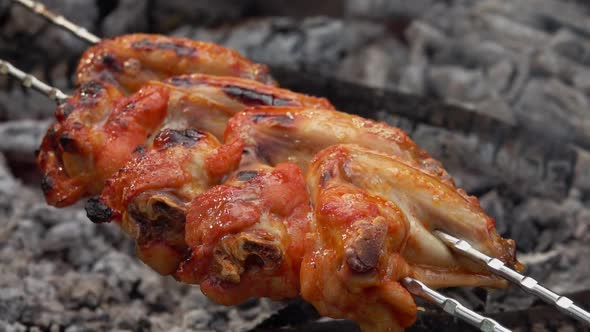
(528, 284)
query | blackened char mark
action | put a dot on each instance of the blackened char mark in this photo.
(139, 150)
(47, 184)
(97, 211)
(274, 119)
(255, 98)
(110, 62)
(180, 49)
(68, 143)
(246, 175)
(165, 222)
(64, 110)
(326, 176)
(171, 137)
(90, 92)
(182, 81)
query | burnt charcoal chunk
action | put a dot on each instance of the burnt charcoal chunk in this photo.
(170, 137)
(251, 97)
(97, 211)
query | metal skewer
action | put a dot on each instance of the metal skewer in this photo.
(528, 284)
(59, 20)
(31, 81)
(452, 306)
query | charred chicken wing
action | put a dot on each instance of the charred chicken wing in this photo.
(254, 191)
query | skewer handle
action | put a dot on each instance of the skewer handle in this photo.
(59, 20)
(31, 81)
(528, 284)
(452, 306)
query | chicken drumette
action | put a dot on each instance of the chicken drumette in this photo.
(254, 191)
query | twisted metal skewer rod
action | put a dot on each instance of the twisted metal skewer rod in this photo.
(32, 82)
(452, 306)
(528, 284)
(59, 20)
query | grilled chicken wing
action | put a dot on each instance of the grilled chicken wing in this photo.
(98, 128)
(149, 197)
(254, 191)
(247, 236)
(354, 260)
(130, 61)
(275, 135)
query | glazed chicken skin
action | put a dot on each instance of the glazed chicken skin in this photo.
(249, 190)
(148, 197)
(275, 134)
(130, 61)
(247, 236)
(356, 235)
(98, 128)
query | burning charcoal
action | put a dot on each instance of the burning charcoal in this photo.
(458, 84)
(569, 45)
(22, 138)
(509, 33)
(121, 272)
(198, 319)
(381, 64)
(413, 79)
(497, 108)
(387, 9)
(526, 234)
(492, 203)
(55, 42)
(295, 43)
(6, 178)
(550, 106)
(17, 103)
(62, 236)
(128, 16)
(12, 304)
(422, 33)
(169, 14)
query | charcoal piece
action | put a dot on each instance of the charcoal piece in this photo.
(128, 16)
(310, 42)
(386, 9)
(497, 108)
(198, 319)
(492, 204)
(12, 304)
(170, 14)
(554, 108)
(62, 236)
(571, 46)
(380, 64)
(56, 42)
(21, 138)
(457, 84)
(581, 178)
(509, 33)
